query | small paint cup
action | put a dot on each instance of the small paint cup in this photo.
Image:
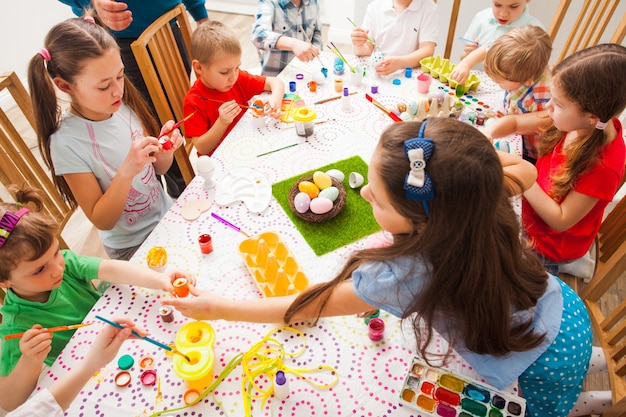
(312, 86)
(181, 287)
(376, 328)
(355, 180)
(167, 314)
(292, 86)
(423, 83)
(374, 89)
(206, 243)
(408, 72)
(338, 85)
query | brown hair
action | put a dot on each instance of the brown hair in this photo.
(71, 44)
(212, 39)
(519, 55)
(593, 79)
(480, 269)
(32, 236)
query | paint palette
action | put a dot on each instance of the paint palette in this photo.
(437, 392)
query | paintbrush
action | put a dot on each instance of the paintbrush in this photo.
(343, 58)
(469, 41)
(229, 224)
(326, 100)
(383, 108)
(222, 102)
(51, 330)
(368, 38)
(311, 42)
(279, 149)
(146, 338)
(176, 126)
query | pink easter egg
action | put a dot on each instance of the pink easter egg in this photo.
(321, 205)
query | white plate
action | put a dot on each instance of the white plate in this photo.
(247, 185)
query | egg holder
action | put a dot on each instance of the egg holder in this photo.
(438, 392)
(272, 265)
(441, 68)
(308, 215)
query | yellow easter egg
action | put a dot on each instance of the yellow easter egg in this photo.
(308, 187)
(322, 180)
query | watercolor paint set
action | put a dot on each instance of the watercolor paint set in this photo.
(437, 392)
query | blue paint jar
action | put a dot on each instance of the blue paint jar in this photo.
(408, 72)
(292, 86)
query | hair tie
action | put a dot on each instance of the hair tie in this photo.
(418, 184)
(45, 54)
(601, 125)
(89, 19)
(8, 222)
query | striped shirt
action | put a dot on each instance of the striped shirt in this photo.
(276, 18)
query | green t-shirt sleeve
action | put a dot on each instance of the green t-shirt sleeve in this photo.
(81, 267)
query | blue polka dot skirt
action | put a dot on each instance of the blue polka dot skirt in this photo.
(552, 384)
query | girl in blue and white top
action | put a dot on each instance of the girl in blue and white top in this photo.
(456, 265)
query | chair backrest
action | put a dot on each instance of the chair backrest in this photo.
(162, 67)
(454, 15)
(18, 164)
(589, 27)
(606, 308)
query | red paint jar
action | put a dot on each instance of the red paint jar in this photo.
(206, 243)
(376, 328)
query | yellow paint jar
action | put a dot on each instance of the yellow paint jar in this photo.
(196, 340)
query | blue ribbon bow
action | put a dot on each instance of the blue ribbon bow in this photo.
(418, 184)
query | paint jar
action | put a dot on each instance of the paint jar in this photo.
(196, 340)
(312, 86)
(376, 328)
(408, 72)
(374, 89)
(292, 86)
(480, 118)
(206, 243)
(338, 85)
(167, 314)
(181, 287)
(304, 118)
(423, 83)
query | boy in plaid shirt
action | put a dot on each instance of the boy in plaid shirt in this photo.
(518, 62)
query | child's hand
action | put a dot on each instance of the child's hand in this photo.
(200, 307)
(174, 275)
(358, 36)
(141, 153)
(388, 65)
(171, 141)
(275, 103)
(107, 343)
(36, 343)
(468, 48)
(305, 51)
(460, 73)
(228, 111)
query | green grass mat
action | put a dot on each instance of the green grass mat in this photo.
(354, 222)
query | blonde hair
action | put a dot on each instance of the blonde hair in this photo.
(521, 54)
(211, 39)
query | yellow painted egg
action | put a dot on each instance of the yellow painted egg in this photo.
(321, 205)
(322, 180)
(330, 193)
(308, 187)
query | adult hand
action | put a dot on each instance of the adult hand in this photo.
(115, 15)
(305, 51)
(36, 343)
(228, 111)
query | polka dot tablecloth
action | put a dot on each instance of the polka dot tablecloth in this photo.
(370, 374)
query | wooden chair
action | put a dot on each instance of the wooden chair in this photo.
(606, 307)
(454, 15)
(163, 69)
(589, 27)
(18, 164)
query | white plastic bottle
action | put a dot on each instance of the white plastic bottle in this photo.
(345, 100)
(281, 386)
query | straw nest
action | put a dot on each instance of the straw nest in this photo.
(308, 215)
